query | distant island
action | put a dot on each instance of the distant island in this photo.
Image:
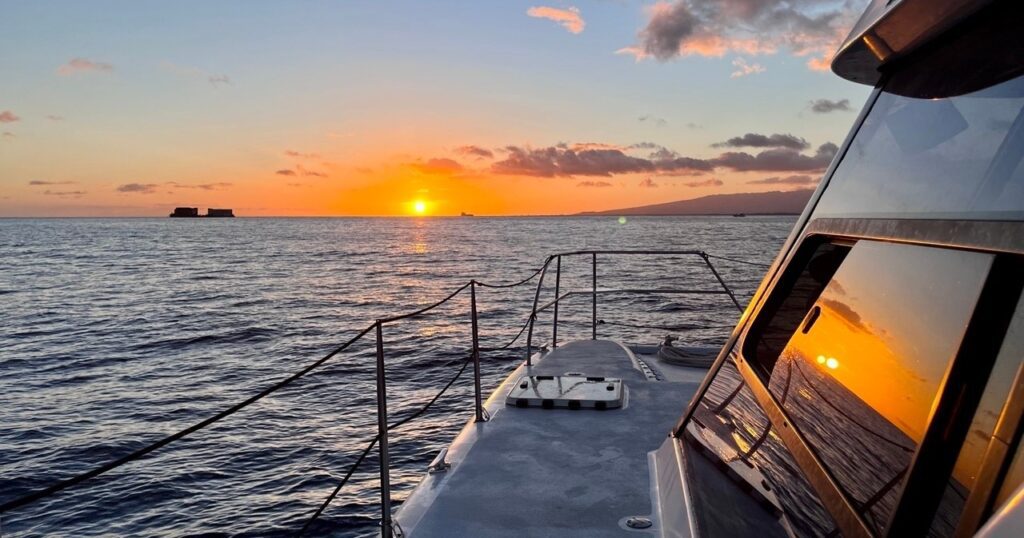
(744, 203)
(193, 212)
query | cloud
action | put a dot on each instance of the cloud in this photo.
(300, 155)
(53, 117)
(647, 118)
(37, 182)
(589, 183)
(8, 134)
(202, 186)
(306, 172)
(82, 65)
(569, 19)
(565, 161)
(474, 151)
(824, 106)
(801, 180)
(216, 80)
(285, 172)
(72, 194)
(140, 188)
(648, 183)
(806, 28)
(778, 160)
(692, 125)
(743, 68)
(754, 140)
(8, 117)
(442, 166)
(709, 182)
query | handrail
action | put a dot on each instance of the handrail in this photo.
(595, 291)
(381, 440)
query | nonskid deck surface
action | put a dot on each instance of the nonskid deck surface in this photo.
(560, 472)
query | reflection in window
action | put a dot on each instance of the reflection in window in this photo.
(736, 429)
(972, 453)
(859, 381)
(941, 158)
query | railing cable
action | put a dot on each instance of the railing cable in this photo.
(758, 264)
(64, 484)
(352, 469)
(512, 285)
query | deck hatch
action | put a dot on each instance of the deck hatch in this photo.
(566, 392)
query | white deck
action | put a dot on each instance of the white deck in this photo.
(555, 472)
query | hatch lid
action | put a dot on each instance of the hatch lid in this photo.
(566, 392)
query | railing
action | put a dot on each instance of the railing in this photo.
(594, 291)
(383, 427)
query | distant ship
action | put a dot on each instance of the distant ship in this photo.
(464, 214)
(193, 212)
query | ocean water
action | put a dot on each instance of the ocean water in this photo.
(116, 332)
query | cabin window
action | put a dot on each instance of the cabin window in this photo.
(990, 408)
(782, 315)
(952, 158)
(859, 376)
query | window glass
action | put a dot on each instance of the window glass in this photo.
(1012, 352)
(779, 318)
(935, 158)
(972, 453)
(729, 413)
(858, 379)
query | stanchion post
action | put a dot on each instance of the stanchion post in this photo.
(382, 443)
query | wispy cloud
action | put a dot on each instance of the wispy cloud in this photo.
(8, 117)
(285, 172)
(808, 28)
(83, 65)
(201, 186)
(301, 155)
(218, 80)
(709, 182)
(37, 183)
(799, 180)
(442, 166)
(300, 171)
(754, 140)
(653, 120)
(53, 117)
(742, 68)
(68, 194)
(824, 106)
(138, 188)
(648, 183)
(474, 151)
(569, 19)
(598, 184)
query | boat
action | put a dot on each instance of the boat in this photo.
(464, 214)
(872, 386)
(739, 214)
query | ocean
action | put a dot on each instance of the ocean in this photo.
(117, 332)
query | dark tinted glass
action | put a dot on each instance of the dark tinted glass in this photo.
(860, 381)
(935, 158)
(732, 427)
(782, 314)
(972, 453)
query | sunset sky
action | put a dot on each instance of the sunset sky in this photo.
(352, 107)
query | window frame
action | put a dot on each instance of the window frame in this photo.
(963, 383)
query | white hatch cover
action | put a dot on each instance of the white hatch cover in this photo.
(566, 392)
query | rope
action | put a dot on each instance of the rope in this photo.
(758, 263)
(664, 327)
(359, 460)
(508, 345)
(514, 284)
(67, 483)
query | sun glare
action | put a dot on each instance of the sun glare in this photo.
(419, 207)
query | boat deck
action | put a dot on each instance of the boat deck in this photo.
(556, 472)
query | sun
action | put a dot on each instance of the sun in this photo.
(419, 207)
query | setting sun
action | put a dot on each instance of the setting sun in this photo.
(419, 207)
